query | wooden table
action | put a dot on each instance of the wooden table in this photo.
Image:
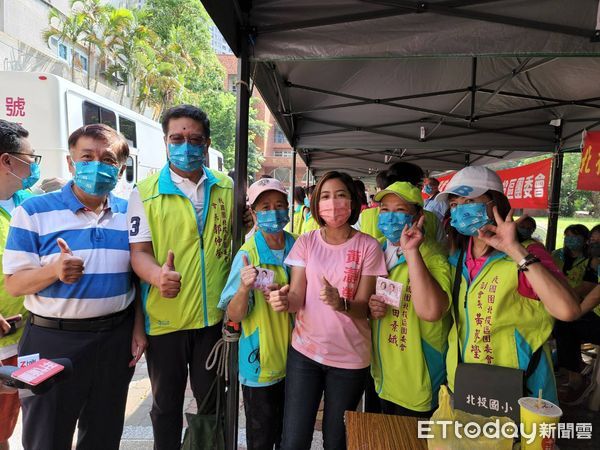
(368, 431)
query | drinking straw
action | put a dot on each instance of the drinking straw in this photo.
(539, 401)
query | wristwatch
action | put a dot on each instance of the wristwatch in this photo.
(528, 260)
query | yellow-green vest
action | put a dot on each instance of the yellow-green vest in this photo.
(310, 224)
(369, 218)
(499, 326)
(265, 333)
(577, 271)
(368, 222)
(408, 361)
(9, 305)
(297, 220)
(202, 248)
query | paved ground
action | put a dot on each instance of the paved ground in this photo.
(137, 434)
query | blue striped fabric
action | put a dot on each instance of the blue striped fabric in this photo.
(100, 240)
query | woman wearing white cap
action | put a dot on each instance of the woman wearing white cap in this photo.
(410, 340)
(508, 297)
(266, 334)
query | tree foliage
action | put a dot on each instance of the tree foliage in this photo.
(161, 56)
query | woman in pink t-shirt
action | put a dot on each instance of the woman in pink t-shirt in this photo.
(334, 270)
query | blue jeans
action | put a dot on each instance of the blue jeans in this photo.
(306, 381)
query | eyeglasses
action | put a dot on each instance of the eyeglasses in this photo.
(194, 140)
(36, 158)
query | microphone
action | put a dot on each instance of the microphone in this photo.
(63, 365)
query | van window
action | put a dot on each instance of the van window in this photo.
(127, 129)
(93, 113)
(129, 170)
(220, 164)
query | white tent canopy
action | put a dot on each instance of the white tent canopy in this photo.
(356, 85)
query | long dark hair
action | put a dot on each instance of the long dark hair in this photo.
(459, 241)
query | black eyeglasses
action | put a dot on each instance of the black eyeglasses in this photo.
(36, 158)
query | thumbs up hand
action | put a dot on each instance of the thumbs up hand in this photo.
(69, 268)
(170, 280)
(248, 274)
(331, 296)
(278, 299)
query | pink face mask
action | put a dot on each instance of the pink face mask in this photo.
(335, 211)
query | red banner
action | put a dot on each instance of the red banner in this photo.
(589, 169)
(525, 186)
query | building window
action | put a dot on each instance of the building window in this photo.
(232, 83)
(63, 52)
(278, 136)
(283, 153)
(282, 174)
(83, 61)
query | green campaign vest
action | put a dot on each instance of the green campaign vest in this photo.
(265, 333)
(202, 248)
(576, 273)
(499, 326)
(10, 306)
(368, 222)
(408, 358)
(310, 224)
(369, 218)
(297, 220)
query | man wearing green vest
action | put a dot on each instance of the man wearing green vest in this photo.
(19, 170)
(180, 238)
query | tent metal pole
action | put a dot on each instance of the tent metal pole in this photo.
(556, 179)
(292, 189)
(240, 187)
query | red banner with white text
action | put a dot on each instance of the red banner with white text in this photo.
(525, 186)
(589, 168)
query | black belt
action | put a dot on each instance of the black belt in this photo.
(103, 323)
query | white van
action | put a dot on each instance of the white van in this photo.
(51, 108)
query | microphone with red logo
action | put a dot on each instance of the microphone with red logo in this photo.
(38, 377)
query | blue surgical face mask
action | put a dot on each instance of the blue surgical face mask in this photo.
(273, 220)
(34, 175)
(391, 224)
(524, 233)
(469, 217)
(574, 243)
(428, 189)
(186, 157)
(306, 202)
(95, 177)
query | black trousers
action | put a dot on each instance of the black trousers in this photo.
(95, 393)
(170, 357)
(569, 337)
(264, 416)
(388, 407)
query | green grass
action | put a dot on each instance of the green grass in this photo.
(563, 222)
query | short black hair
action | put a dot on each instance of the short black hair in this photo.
(299, 194)
(382, 179)
(405, 171)
(190, 111)
(104, 133)
(578, 229)
(11, 135)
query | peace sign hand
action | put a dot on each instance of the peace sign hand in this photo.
(503, 235)
(412, 237)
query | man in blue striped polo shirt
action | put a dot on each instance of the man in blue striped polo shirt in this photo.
(68, 253)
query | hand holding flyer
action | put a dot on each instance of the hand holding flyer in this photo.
(389, 292)
(264, 279)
